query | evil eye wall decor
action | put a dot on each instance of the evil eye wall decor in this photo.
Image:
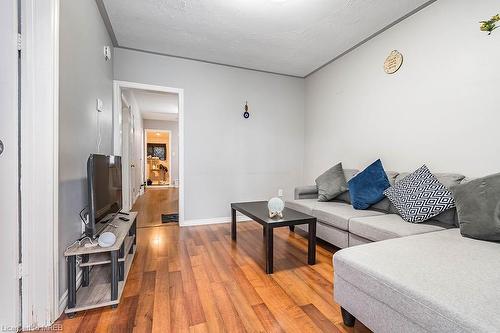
(246, 114)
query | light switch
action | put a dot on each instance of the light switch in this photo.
(99, 105)
(107, 53)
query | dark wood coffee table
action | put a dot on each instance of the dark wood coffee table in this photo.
(259, 213)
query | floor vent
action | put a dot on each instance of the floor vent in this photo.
(169, 218)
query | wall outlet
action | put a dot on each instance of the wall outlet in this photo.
(99, 105)
(280, 192)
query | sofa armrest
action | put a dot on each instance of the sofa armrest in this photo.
(306, 192)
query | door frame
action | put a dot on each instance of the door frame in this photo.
(10, 303)
(169, 152)
(117, 125)
(39, 142)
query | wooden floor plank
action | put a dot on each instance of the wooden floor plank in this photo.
(179, 316)
(196, 315)
(200, 328)
(196, 279)
(207, 299)
(267, 319)
(244, 308)
(90, 321)
(124, 318)
(161, 308)
(144, 315)
(230, 317)
(319, 319)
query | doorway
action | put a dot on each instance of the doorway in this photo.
(158, 168)
(149, 137)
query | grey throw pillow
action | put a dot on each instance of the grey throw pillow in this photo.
(478, 208)
(331, 183)
(345, 197)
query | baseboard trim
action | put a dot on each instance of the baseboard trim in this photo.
(215, 220)
(64, 298)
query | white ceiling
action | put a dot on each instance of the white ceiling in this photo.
(157, 105)
(292, 37)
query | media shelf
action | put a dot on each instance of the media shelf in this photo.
(105, 257)
(104, 270)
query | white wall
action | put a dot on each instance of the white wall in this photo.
(228, 158)
(84, 76)
(441, 108)
(173, 127)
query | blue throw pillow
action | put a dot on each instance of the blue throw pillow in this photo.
(368, 186)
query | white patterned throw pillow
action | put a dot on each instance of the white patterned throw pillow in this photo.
(420, 196)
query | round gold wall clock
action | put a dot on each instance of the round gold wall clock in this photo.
(393, 62)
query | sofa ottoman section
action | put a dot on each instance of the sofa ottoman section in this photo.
(433, 282)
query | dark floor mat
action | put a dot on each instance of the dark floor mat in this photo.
(169, 218)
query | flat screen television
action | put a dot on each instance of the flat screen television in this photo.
(104, 177)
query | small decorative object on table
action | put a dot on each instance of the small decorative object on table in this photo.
(275, 206)
(490, 24)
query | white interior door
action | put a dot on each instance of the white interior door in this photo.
(132, 155)
(126, 156)
(9, 178)
(129, 167)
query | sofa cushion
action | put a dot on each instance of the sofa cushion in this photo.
(368, 186)
(420, 196)
(331, 183)
(440, 280)
(345, 197)
(302, 205)
(378, 228)
(478, 206)
(338, 214)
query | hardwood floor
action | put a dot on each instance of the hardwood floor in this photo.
(154, 202)
(195, 279)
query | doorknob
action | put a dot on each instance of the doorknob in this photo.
(1, 147)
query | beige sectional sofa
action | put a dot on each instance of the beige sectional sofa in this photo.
(396, 276)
